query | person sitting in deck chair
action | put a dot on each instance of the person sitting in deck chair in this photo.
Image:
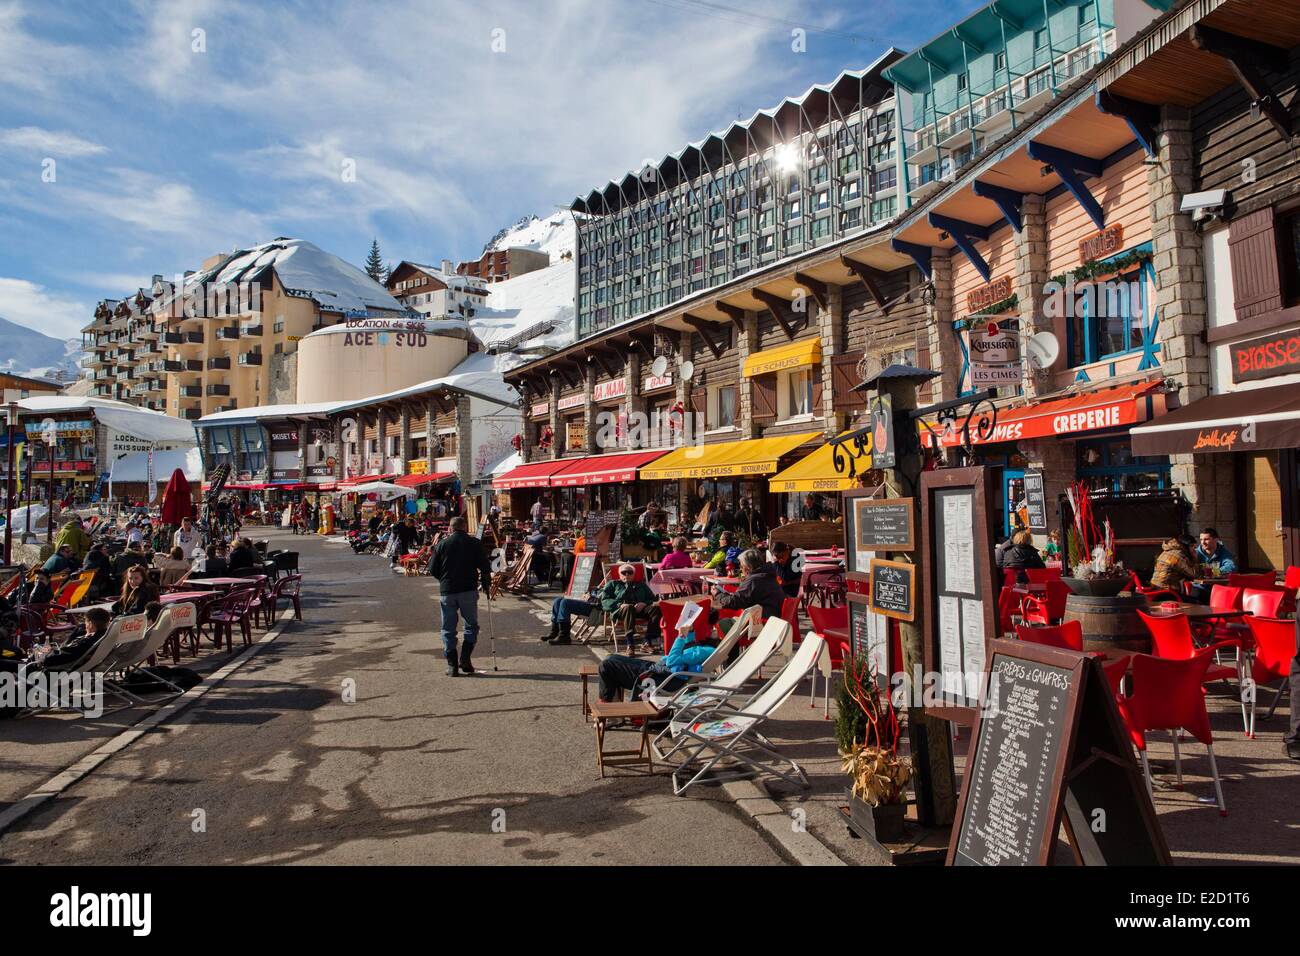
(618, 672)
(75, 648)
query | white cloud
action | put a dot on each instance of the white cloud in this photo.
(48, 142)
(39, 308)
(28, 62)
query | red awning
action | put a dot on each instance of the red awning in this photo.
(414, 481)
(363, 479)
(535, 474)
(1105, 408)
(604, 469)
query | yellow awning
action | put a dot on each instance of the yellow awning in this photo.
(795, 355)
(727, 459)
(816, 472)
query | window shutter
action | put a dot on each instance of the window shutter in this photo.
(818, 399)
(700, 401)
(1256, 277)
(844, 376)
(923, 362)
(763, 397)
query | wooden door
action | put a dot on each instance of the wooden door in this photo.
(1262, 538)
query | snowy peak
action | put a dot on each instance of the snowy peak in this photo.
(26, 352)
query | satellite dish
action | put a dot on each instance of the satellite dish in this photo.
(688, 371)
(659, 366)
(1043, 349)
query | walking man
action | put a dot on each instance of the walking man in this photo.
(461, 565)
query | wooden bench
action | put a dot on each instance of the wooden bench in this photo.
(604, 712)
(586, 672)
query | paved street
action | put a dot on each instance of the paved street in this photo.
(413, 772)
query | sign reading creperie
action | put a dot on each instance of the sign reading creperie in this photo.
(1084, 413)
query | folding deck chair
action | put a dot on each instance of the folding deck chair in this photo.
(736, 735)
(747, 624)
(127, 656)
(124, 630)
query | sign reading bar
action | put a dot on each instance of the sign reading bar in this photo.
(1047, 739)
(893, 589)
(884, 524)
(1035, 501)
(1099, 245)
(986, 295)
(1277, 354)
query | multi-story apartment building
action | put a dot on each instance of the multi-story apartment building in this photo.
(970, 85)
(497, 265)
(437, 292)
(124, 353)
(225, 336)
(813, 170)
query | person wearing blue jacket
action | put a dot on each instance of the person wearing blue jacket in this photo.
(618, 672)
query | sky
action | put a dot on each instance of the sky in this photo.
(140, 138)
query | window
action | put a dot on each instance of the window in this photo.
(1000, 62)
(792, 211)
(850, 218)
(850, 190)
(882, 209)
(1109, 318)
(1109, 466)
(723, 403)
(822, 199)
(821, 227)
(1040, 39)
(961, 82)
(794, 236)
(794, 394)
(1087, 14)
(884, 178)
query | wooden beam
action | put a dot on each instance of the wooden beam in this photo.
(609, 360)
(1245, 57)
(780, 310)
(871, 278)
(733, 312)
(820, 290)
(703, 327)
(646, 346)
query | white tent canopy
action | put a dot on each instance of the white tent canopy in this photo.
(382, 488)
(135, 467)
(127, 420)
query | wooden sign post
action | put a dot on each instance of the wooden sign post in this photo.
(1048, 738)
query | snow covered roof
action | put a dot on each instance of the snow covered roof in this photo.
(303, 269)
(261, 412)
(119, 416)
(452, 280)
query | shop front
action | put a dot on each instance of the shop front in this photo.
(1256, 433)
(817, 477)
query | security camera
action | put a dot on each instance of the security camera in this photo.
(1204, 203)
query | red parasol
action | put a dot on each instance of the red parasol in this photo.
(177, 503)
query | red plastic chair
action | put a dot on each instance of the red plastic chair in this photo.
(1171, 639)
(1292, 580)
(1275, 648)
(235, 608)
(1048, 609)
(1008, 605)
(1167, 695)
(1263, 602)
(670, 612)
(1268, 580)
(1226, 597)
(1043, 575)
(1152, 593)
(1115, 672)
(790, 614)
(836, 618)
(1009, 577)
(288, 588)
(1067, 636)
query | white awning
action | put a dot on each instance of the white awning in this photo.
(381, 488)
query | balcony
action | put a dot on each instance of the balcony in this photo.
(222, 390)
(250, 358)
(191, 391)
(228, 332)
(252, 329)
(191, 414)
(174, 338)
(183, 365)
(221, 362)
(194, 338)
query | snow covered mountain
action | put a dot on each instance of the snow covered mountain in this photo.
(25, 351)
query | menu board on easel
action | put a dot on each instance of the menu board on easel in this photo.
(1035, 501)
(603, 527)
(586, 575)
(1048, 740)
(869, 638)
(958, 589)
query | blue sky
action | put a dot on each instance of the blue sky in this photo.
(182, 128)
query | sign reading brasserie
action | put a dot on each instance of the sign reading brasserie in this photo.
(1276, 354)
(1099, 245)
(986, 295)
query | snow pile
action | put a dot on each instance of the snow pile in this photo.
(304, 269)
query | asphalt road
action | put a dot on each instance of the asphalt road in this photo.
(274, 766)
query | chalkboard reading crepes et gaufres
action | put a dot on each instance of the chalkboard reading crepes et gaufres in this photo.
(1048, 738)
(1035, 501)
(884, 524)
(586, 572)
(893, 589)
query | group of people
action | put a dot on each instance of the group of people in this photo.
(1184, 559)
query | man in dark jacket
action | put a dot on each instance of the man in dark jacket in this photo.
(405, 534)
(759, 587)
(461, 565)
(628, 599)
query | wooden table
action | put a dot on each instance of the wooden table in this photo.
(604, 712)
(1195, 612)
(586, 672)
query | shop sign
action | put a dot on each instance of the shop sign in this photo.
(1108, 242)
(656, 382)
(571, 401)
(418, 466)
(79, 430)
(614, 388)
(986, 376)
(1277, 354)
(540, 408)
(1216, 439)
(993, 345)
(986, 295)
(883, 453)
(284, 439)
(284, 474)
(320, 471)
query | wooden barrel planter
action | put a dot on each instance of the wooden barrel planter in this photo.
(1110, 624)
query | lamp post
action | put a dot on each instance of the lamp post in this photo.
(10, 418)
(50, 435)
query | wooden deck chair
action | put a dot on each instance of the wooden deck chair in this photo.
(736, 736)
(124, 629)
(11, 585)
(697, 698)
(515, 577)
(75, 590)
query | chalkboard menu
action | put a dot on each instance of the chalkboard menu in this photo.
(1035, 501)
(869, 638)
(883, 524)
(1048, 741)
(958, 590)
(597, 522)
(893, 589)
(586, 573)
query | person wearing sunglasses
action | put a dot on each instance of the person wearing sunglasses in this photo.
(628, 599)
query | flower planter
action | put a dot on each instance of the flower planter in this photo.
(886, 822)
(1096, 587)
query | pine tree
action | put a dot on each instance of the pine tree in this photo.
(375, 263)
